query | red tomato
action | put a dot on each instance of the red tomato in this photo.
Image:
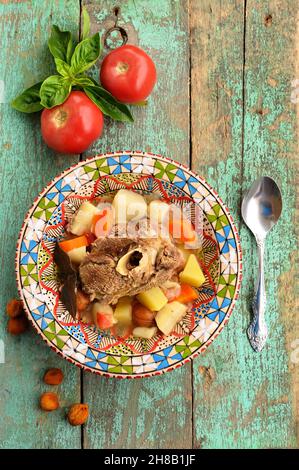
(72, 126)
(128, 73)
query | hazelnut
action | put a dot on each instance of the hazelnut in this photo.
(18, 325)
(142, 316)
(78, 414)
(14, 308)
(53, 376)
(49, 401)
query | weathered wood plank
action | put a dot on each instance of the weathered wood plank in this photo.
(216, 94)
(244, 399)
(270, 147)
(26, 166)
(155, 412)
(216, 100)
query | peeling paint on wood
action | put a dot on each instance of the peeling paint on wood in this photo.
(26, 166)
(253, 402)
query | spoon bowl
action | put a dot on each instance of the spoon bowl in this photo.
(262, 206)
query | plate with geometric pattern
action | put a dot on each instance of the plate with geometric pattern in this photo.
(83, 344)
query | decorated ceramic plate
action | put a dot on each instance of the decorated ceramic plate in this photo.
(103, 352)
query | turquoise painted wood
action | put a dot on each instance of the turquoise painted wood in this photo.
(243, 399)
(233, 121)
(26, 167)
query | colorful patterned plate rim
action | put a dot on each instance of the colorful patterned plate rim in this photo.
(84, 345)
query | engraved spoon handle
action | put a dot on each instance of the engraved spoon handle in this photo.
(257, 331)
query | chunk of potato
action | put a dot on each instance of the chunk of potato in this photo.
(154, 299)
(144, 332)
(82, 220)
(123, 311)
(128, 205)
(77, 255)
(192, 273)
(169, 316)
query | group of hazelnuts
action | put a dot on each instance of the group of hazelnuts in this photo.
(49, 401)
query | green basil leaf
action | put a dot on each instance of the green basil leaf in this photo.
(95, 82)
(83, 81)
(60, 44)
(54, 91)
(108, 104)
(86, 24)
(63, 68)
(29, 100)
(86, 54)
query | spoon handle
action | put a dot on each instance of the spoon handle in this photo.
(257, 331)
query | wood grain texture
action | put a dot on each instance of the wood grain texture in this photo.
(26, 166)
(216, 95)
(155, 412)
(270, 147)
(244, 399)
(217, 30)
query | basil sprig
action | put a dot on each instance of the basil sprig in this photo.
(29, 100)
(86, 24)
(60, 44)
(54, 91)
(86, 54)
(83, 81)
(108, 104)
(63, 68)
(72, 61)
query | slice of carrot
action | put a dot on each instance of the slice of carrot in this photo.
(187, 294)
(182, 230)
(97, 217)
(68, 245)
(102, 223)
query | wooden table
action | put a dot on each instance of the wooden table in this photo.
(225, 104)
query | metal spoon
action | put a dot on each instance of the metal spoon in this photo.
(261, 209)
